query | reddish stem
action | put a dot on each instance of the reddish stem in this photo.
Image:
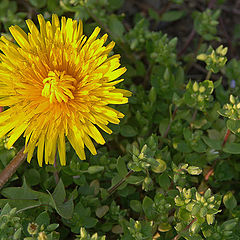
(226, 137)
(210, 172)
(185, 229)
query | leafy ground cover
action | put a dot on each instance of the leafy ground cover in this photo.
(171, 169)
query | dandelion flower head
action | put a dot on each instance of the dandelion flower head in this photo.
(58, 83)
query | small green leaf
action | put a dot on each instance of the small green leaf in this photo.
(95, 169)
(128, 131)
(148, 209)
(229, 201)
(136, 205)
(212, 143)
(230, 224)
(121, 167)
(233, 125)
(116, 27)
(43, 218)
(32, 177)
(233, 148)
(171, 16)
(101, 211)
(52, 227)
(38, 3)
(164, 180)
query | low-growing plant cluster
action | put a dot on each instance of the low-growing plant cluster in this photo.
(170, 170)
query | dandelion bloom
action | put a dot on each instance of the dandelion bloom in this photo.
(58, 83)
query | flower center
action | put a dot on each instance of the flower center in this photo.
(58, 86)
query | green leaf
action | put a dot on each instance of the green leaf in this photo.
(25, 193)
(128, 131)
(63, 208)
(233, 125)
(230, 224)
(229, 201)
(212, 143)
(116, 27)
(59, 193)
(171, 16)
(182, 146)
(136, 205)
(148, 209)
(121, 167)
(20, 204)
(233, 148)
(32, 177)
(43, 218)
(162, 166)
(164, 181)
(95, 169)
(52, 227)
(101, 211)
(38, 3)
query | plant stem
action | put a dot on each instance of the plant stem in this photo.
(226, 137)
(12, 167)
(209, 75)
(56, 172)
(194, 116)
(185, 229)
(170, 123)
(169, 126)
(112, 189)
(188, 41)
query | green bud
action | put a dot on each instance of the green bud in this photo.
(210, 219)
(195, 87)
(232, 99)
(202, 57)
(83, 233)
(152, 95)
(198, 196)
(202, 89)
(166, 75)
(42, 236)
(221, 51)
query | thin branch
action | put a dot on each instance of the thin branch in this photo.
(112, 189)
(185, 229)
(12, 167)
(170, 123)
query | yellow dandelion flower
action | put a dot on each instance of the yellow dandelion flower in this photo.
(58, 83)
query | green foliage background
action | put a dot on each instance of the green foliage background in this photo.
(171, 169)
